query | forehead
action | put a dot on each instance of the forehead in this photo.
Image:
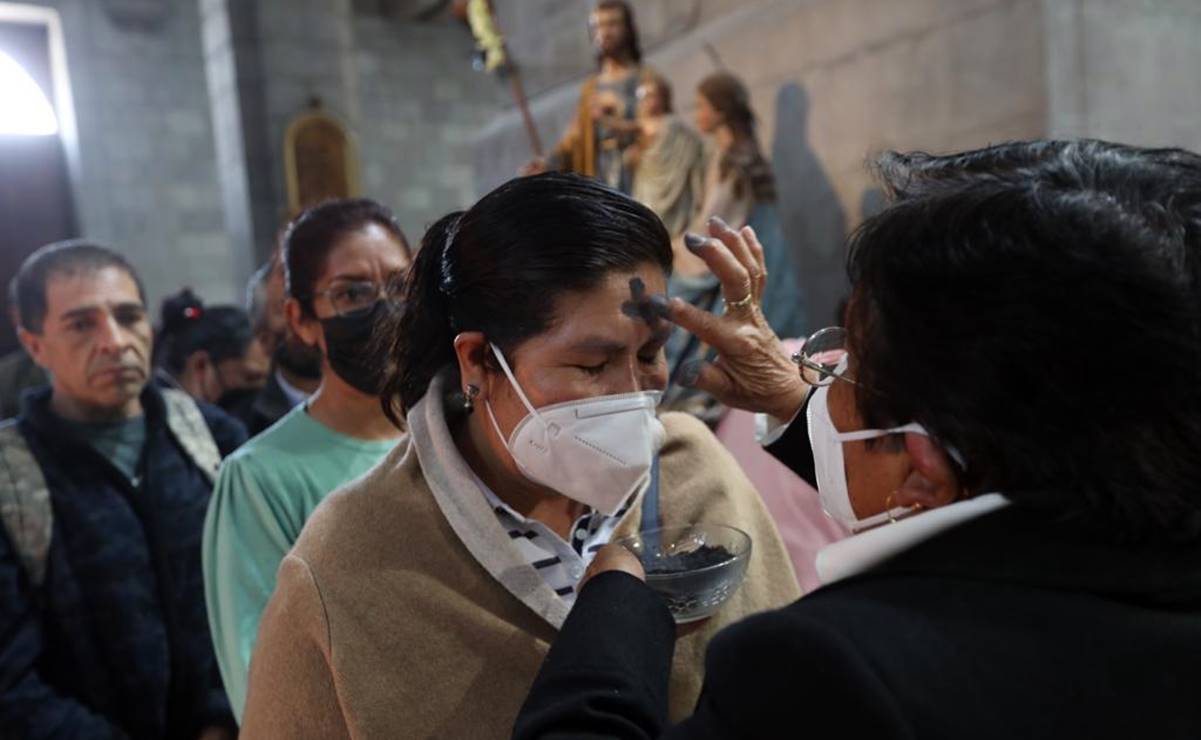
(607, 16)
(364, 252)
(69, 289)
(599, 310)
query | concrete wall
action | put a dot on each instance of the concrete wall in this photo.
(832, 81)
(1125, 70)
(406, 92)
(147, 161)
(421, 106)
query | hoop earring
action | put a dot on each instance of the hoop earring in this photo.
(469, 397)
(892, 518)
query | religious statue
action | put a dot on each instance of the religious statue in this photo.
(604, 125)
(668, 159)
(492, 56)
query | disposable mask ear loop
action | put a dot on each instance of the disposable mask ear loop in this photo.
(495, 425)
(500, 357)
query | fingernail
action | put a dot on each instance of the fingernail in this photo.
(695, 242)
(719, 223)
(748, 231)
(690, 372)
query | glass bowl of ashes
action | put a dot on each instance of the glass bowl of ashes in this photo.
(694, 568)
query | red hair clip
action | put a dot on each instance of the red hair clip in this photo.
(192, 312)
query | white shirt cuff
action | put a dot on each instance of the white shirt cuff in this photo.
(768, 428)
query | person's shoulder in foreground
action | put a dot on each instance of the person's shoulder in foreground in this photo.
(1070, 611)
(342, 540)
(943, 640)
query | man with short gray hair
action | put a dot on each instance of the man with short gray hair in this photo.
(104, 484)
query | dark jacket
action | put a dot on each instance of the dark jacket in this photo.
(269, 406)
(116, 642)
(1006, 626)
(793, 449)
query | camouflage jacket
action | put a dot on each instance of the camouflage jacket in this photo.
(115, 641)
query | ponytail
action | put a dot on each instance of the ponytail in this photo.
(420, 340)
(188, 326)
(178, 315)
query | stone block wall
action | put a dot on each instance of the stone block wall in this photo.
(421, 106)
(1125, 70)
(406, 93)
(147, 162)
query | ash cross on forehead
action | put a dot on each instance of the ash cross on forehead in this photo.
(651, 308)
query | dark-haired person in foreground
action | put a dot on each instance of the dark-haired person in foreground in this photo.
(211, 353)
(344, 260)
(1014, 424)
(104, 480)
(420, 600)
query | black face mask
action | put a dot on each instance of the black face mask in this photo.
(238, 402)
(348, 346)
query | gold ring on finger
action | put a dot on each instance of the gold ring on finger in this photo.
(741, 304)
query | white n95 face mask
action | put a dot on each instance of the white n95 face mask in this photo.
(831, 468)
(597, 451)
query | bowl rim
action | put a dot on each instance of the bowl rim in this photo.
(750, 544)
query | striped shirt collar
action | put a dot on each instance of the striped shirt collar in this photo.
(560, 563)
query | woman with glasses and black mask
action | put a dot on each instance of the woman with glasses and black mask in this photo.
(1009, 423)
(343, 262)
(420, 600)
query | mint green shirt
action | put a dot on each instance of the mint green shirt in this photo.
(264, 494)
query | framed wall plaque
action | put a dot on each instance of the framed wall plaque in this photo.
(319, 160)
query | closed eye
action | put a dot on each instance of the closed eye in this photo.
(593, 369)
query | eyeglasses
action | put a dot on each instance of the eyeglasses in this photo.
(824, 357)
(351, 296)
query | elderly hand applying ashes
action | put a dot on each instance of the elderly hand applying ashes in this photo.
(753, 370)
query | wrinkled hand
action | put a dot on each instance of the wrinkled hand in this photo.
(613, 557)
(753, 370)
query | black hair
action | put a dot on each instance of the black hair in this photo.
(188, 326)
(633, 47)
(70, 257)
(744, 160)
(1038, 307)
(314, 233)
(499, 267)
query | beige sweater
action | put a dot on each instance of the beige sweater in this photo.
(405, 611)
